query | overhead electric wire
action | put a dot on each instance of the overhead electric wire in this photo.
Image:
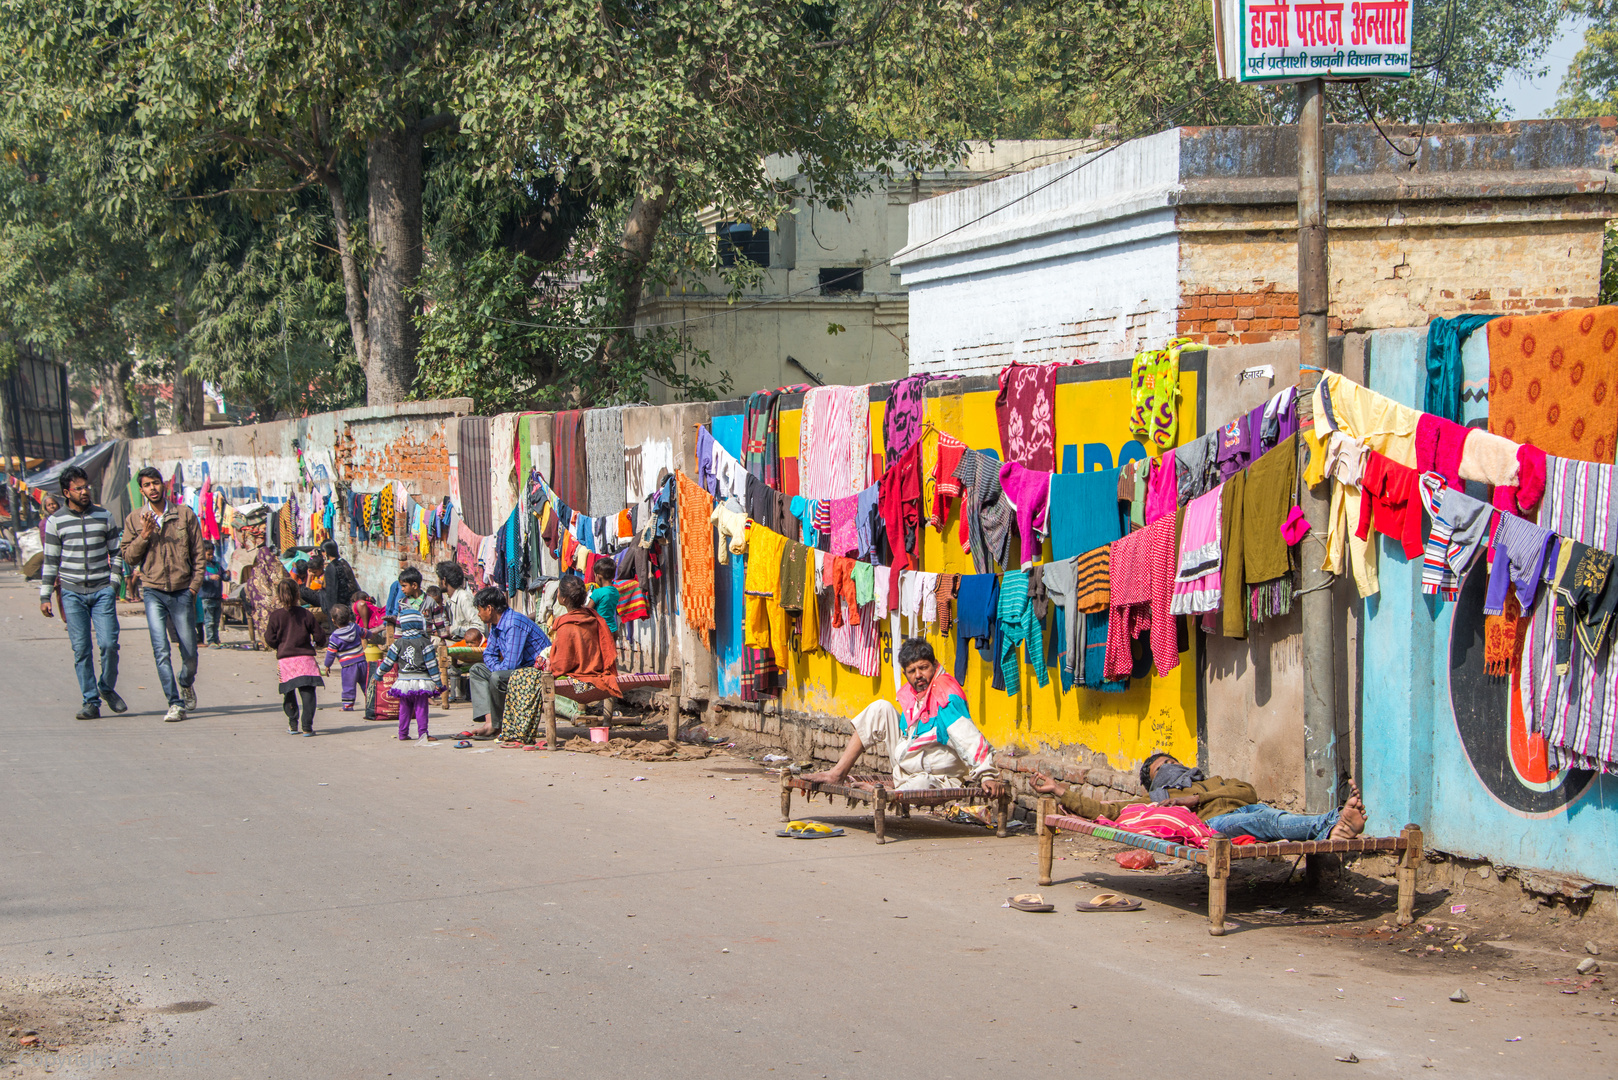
(1437, 67)
(769, 301)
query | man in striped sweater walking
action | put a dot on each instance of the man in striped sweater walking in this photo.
(81, 555)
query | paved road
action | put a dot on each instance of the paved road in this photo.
(357, 907)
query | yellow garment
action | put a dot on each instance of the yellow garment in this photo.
(1388, 428)
(766, 624)
(809, 620)
(423, 543)
(385, 510)
(1379, 422)
(289, 534)
(1315, 472)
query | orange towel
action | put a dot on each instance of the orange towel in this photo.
(696, 554)
(1553, 384)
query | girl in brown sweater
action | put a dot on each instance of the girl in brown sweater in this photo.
(295, 635)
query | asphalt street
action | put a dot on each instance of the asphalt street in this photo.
(353, 906)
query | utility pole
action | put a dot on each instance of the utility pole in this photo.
(1319, 624)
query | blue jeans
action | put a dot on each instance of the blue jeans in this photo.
(212, 607)
(176, 610)
(1268, 825)
(81, 611)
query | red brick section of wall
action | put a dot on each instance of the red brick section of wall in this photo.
(1250, 316)
(1242, 318)
(422, 465)
(1486, 300)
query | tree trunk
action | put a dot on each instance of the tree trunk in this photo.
(113, 379)
(353, 284)
(187, 387)
(187, 401)
(640, 236)
(393, 161)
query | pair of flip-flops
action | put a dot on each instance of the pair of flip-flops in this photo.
(808, 830)
(1099, 902)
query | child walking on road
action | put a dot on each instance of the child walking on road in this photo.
(295, 634)
(419, 680)
(346, 646)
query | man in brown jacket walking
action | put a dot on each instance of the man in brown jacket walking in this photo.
(164, 541)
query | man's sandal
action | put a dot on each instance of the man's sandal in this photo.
(1030, 901)
(1108, 901)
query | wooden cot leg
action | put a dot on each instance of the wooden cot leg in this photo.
(879, 814)
(1218, 877)
(676, 677)
(786, 794)
(1003, 814)
(1047, 840)
(547, 698)
(1312, 868)
(1409, 860)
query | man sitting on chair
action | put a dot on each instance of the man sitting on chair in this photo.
(932, 742)
(1230, 807)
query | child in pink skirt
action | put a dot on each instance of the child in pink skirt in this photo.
(418, 682)
(295, 635)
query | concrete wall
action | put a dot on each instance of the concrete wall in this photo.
(1254, 688)
(1442, 744)
(1075, 260)
(362, 448)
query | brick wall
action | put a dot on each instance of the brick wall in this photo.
(1241, 317)
(1391, 264)
(416, 455)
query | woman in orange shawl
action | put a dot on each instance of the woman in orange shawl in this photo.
(581, 645)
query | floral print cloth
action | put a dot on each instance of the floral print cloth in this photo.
(1026, 409)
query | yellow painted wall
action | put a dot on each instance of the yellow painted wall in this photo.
(1153, 714)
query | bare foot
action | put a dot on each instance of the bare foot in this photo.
(1350, 821)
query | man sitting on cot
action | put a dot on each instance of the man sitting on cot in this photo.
(1229, 807)
(930, 738)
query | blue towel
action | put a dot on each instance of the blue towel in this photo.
(977, 601)
(1084, 512)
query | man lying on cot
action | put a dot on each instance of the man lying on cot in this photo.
(1230, 807)
(932, 742)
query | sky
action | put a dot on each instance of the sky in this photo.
(1533, 98)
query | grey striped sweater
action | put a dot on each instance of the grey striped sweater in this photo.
(81, 549)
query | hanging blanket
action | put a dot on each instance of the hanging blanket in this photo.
(834, 442)
(1577, 713)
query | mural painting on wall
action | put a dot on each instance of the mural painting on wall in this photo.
(1508, 759)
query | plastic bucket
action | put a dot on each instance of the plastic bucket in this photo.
(600, 734)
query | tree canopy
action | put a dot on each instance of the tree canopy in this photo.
(322, 197)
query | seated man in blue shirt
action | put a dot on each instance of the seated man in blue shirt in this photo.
(515, 641)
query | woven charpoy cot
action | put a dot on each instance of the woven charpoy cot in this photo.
(1219, 853)
(550, 688)
(882, 796)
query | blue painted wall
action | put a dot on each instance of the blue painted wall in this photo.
(1436, 744)
(727, 432)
